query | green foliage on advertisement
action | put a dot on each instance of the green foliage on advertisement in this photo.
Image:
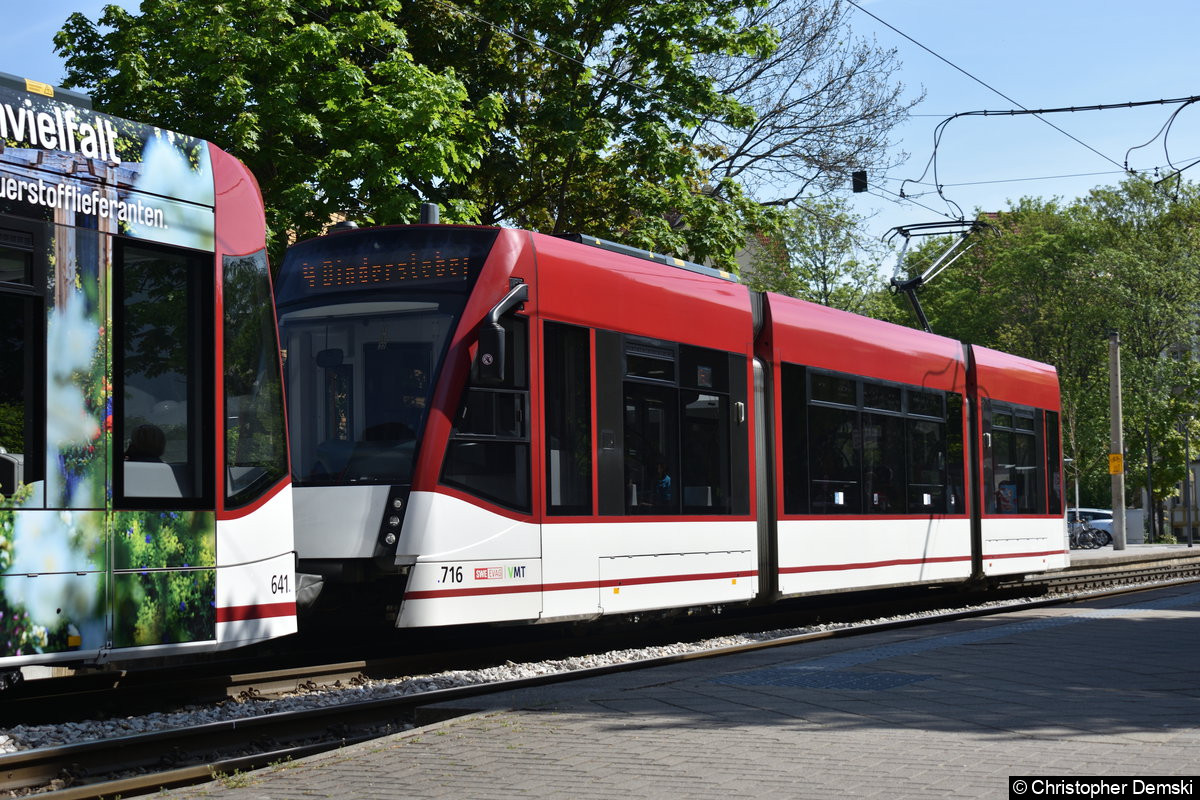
(164, 607)
(156, 539)
(159, 607)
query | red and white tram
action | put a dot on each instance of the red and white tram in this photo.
(496, 425)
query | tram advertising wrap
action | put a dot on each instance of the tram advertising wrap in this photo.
(125, 505)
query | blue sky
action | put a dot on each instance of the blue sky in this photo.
(1041, 53)
(27, 42)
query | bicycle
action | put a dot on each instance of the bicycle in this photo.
(1101, 536)
(1082, 536)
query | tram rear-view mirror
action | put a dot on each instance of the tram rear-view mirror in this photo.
(489, 360)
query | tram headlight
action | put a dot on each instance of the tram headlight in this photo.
(393, 520)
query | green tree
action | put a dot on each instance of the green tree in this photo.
(604, 116)
(1053, 283)
(825, 104)
(1149, 258)
(320, 98)
(665, 125)
(600, 99)
(821, 254)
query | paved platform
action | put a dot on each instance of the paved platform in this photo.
(1134, 552)
(1105, 687)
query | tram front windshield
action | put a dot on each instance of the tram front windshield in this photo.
(365, 320)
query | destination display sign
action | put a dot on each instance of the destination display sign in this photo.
(432, 257)
(415, 267)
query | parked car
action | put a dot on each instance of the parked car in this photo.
(1098, 518)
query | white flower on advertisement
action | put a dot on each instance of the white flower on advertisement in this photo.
(39, 636)
(166, 171)
(72, 344)
(44, 575)
(72, 338)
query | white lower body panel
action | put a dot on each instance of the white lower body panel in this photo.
(256, 601)
(617, 567)
(338, 522)
(470, 565)
(833, 555)
(1021, 545)
(642, 583)
(256, 574)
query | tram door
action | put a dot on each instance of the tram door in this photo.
(54, 391)
(163, 526)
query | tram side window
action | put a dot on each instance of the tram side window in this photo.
(794, 411)
(16, 257)
(1053, 464)
(927, 453)
(568, 414)
(706, 433)
(164, 367)
(956, 482)
(22, 362)
(1016, 474)
(255, 441)
(884, 463)
(858, 446)
(677, 429)
(488, 452)
(22, 423)
(835, 450)
(651, 449)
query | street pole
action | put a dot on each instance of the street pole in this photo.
(1187, 479)
(1116, 450)
(1076, 471)
(1151, 528)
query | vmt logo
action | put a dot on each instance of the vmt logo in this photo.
(498, 573)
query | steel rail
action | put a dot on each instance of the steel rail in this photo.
(204, 752)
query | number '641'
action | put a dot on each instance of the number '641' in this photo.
(280, 584)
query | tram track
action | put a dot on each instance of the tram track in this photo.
(1084, 575)
(139, 763)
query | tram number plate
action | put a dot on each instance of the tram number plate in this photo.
(280, 584)
(457, 574)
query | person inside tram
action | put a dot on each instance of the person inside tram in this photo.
(661, 491)
(147, 444)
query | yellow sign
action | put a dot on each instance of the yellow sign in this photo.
(37, 87)
(1116, 463)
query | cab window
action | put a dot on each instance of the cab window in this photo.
(488, 452)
